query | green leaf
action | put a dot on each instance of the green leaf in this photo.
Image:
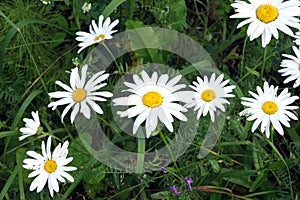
(67, 2)
(215, 165)
(253, 72)
(9, 133)
(95, 175)
(22, 109)
(111, 7)
(177, 15)
(160, 195)
(260, 179)
(9, 182)
(57, 39)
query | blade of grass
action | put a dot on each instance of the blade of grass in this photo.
(111, 7)
(8, 133)
(282, 159)
(16, 28)
(8, 183)
(21, 186)
(19, 115)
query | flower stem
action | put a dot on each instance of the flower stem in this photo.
(243, 55)
(113, 57)
(263, 67)
(141, 152)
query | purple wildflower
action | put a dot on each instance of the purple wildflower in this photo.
(174, 190)
(164, 170)
(189, 181)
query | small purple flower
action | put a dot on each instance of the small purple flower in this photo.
(164, 170)
(174, 190)
(155, 66)
(189, 181)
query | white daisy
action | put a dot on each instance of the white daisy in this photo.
(291, 67)
(153, 98)
(266, 16)
(267, 107)
(297, 36)
(210, 95)
(80, 93)
(97, 34)
(49, 167)
(32, 126)
(86, 7)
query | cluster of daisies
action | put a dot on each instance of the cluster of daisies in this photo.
(153, 98)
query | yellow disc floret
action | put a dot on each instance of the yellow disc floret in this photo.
(208, 95)
(50, 166)
(101, 36)
(79, 95)
(152, 99)
(266, 13)
(270, 107)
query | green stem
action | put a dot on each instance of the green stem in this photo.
(243, 55)
(272, 140)
(170, 151)
(120, 69)
(263, 67)
(141, 152)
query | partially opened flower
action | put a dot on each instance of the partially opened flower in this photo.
(49, 167)
(267, 108)
(210, 95)
(266, 17)
(82, 94)
(153, 98)
(97, 34)
(291, 67)
(32, 126)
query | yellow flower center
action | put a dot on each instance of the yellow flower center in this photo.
(266, 13)
(79, 95)
(152, 99)
(102, 36)
(50, 166)
(270, 107)
(208, 95)
(299, 67)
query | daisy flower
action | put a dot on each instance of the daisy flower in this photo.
(86, 7)
(266, 17)
(291, 67)
(97, 34)
(81, 93)
(32, 126)
(49, 167)
(210, 95)
(267, 108)
(152, 98)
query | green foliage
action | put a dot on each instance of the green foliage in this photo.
(37, 46)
